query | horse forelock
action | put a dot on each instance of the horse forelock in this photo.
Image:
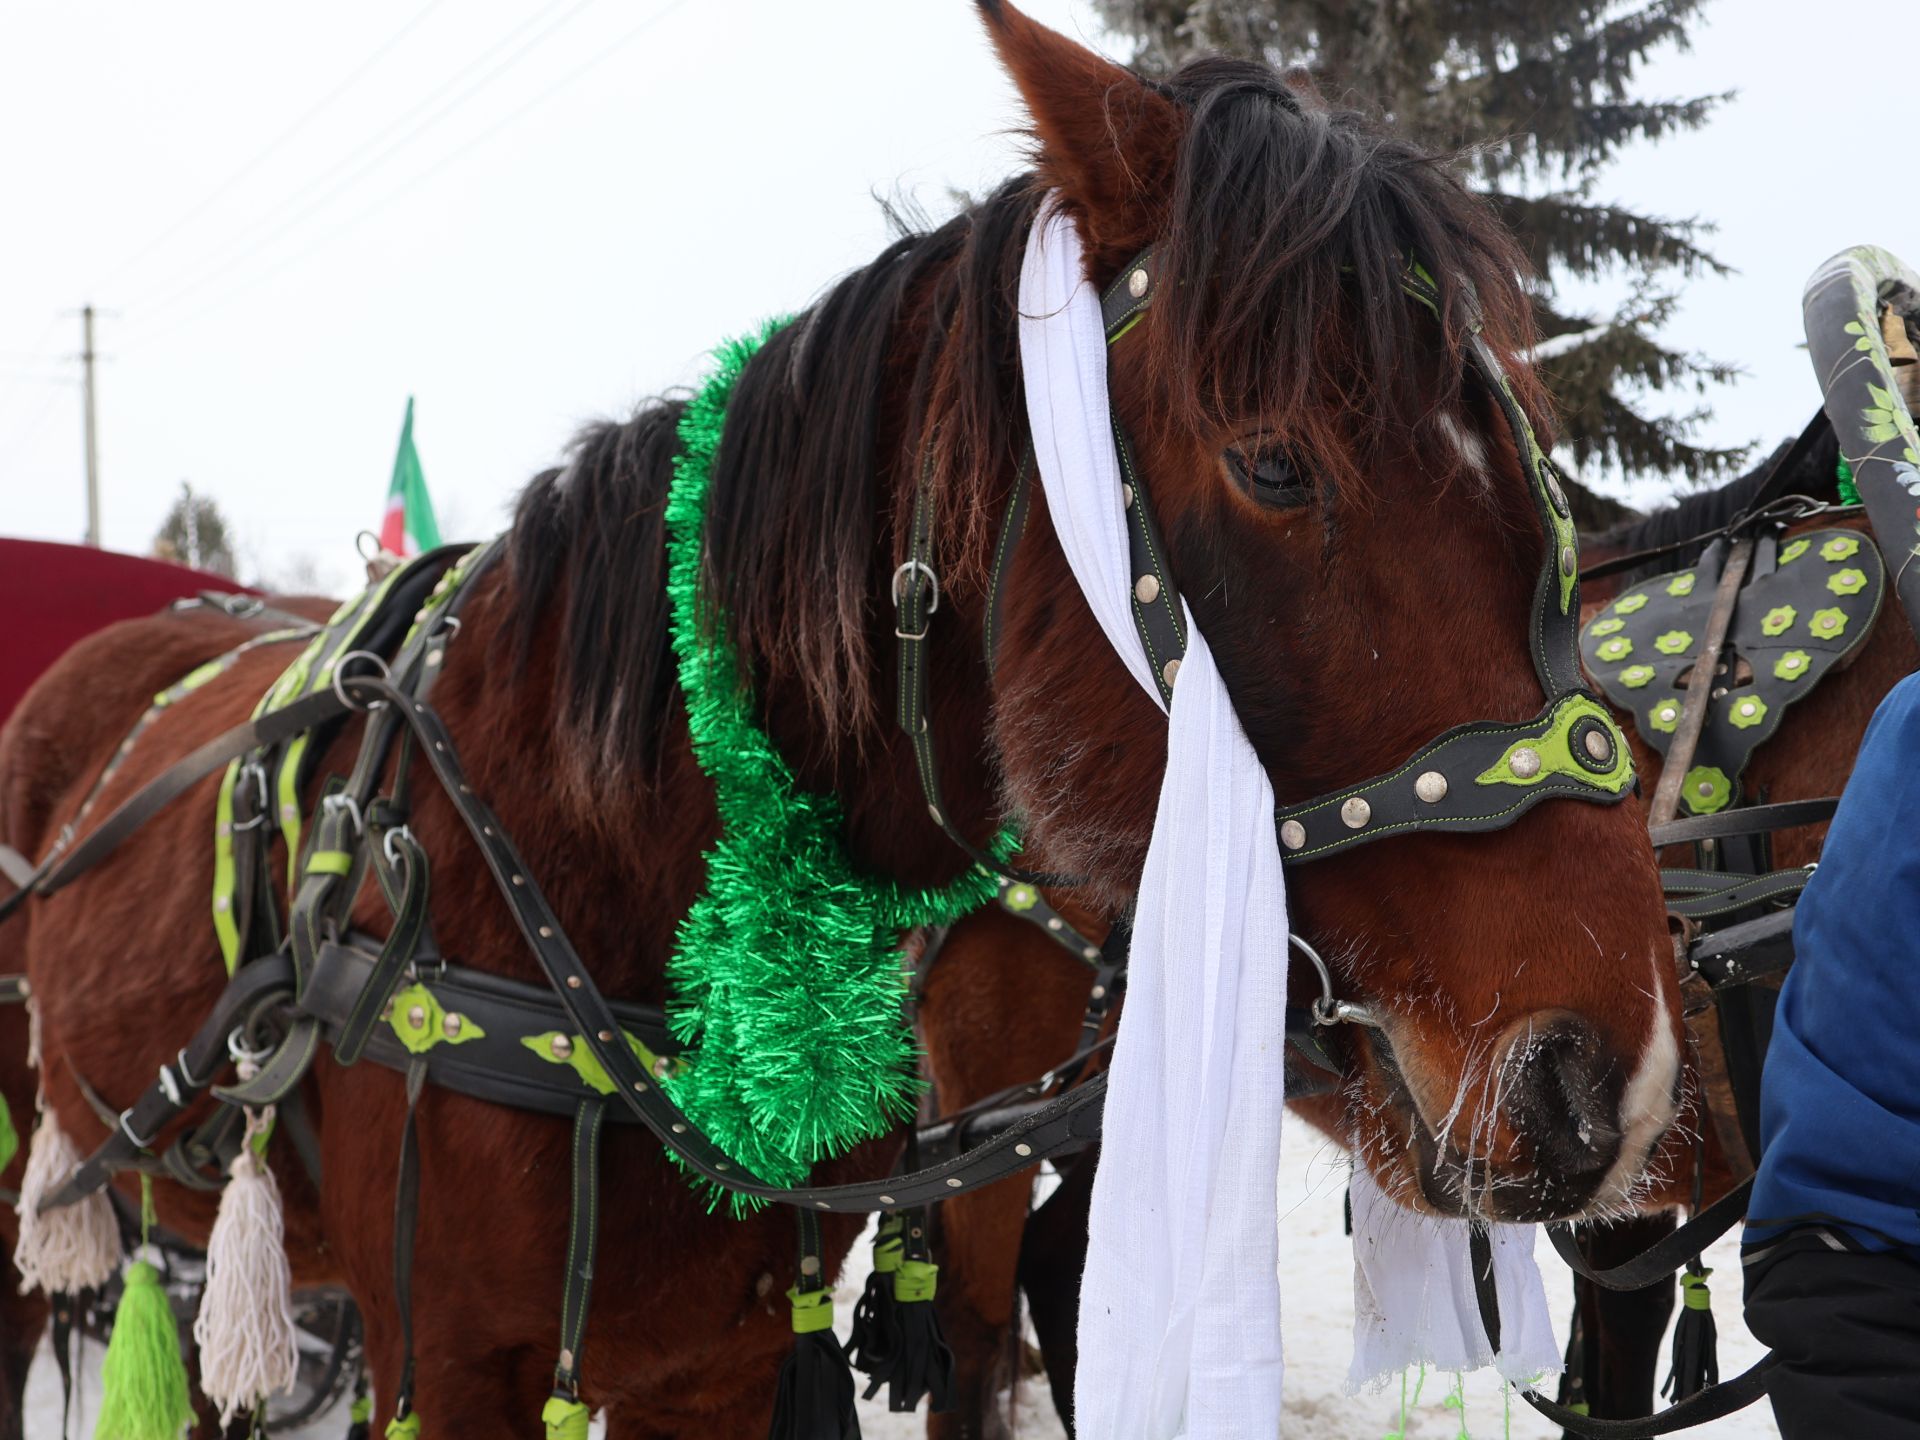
(1289, 232)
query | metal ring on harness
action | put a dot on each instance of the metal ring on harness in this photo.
(1326, 1009)
(340, 670)
(388, 848)
(242, 1053)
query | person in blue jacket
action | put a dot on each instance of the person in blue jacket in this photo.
(1832, 1253)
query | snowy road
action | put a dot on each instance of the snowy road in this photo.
(1316, 1282)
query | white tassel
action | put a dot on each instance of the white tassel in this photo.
(74, 1248)
(245, 1327)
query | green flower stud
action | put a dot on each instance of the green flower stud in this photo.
(1674, 642)
(1022, 897)
(1847, 582)
(1792, 665)
(1627, 604)
(1793, 551)
(1746, 712)
(1840, 547)
(1607, 626)
(1681, 584)
(1828, 623)
(1706, 789)
(1635, 676)
(1779, 620)
(1665, 717)
(1618, 648)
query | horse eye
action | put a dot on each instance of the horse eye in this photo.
(1270, 476)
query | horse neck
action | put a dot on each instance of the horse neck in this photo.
(620, 855)
(872, 771)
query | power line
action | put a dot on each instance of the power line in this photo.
(246, 242)
(40, 417)
(32, 353)
(413, 182)
(279, 142)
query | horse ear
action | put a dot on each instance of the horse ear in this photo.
(1107, 139)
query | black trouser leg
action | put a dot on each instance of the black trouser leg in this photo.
(1846, 1326)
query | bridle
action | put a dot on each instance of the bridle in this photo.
(1472, 778)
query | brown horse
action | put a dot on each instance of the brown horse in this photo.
(1344, 509)
(1811, 755)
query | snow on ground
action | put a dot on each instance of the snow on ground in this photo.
(1316, 1277)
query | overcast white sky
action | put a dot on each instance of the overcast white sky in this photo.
(528, 213)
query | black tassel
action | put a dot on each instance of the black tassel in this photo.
(815, 1400)
(922, 1362)
(876, 1331)
(1696, 1340)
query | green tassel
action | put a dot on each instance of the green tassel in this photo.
(143, 1376)
(923, 1363)
(1696, 1343)
(360, 1417)
(407, 1429)
(565, 1419)
(876, 1332)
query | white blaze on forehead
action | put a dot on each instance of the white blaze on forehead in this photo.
(1650, 1102)
(1470, 447)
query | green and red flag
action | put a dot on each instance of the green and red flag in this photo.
(409, 526)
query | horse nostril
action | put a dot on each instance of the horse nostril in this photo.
(1559, 1101)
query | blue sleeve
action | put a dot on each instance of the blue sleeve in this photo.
(1840, 1093)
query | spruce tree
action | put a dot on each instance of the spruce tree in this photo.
(1535, 97)
(196, 534)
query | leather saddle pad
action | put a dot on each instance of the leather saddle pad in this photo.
(1807, 604)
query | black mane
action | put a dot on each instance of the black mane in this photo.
(1279, 213)
(1706, 511)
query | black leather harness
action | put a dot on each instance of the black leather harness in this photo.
(400, 1002)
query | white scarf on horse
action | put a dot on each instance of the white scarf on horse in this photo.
(1180, 1303)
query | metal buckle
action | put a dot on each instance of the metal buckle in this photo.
(186, 1074)
(933, 580)
(341, 800)
(126, 1129)
(339, 673)
(171, 1087)
(259, 774)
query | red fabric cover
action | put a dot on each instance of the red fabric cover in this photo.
(52, 595)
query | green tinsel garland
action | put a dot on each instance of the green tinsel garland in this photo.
(788, 985)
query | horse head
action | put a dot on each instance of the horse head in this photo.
(1347, 508)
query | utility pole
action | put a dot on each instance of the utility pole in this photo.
(93, 439)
